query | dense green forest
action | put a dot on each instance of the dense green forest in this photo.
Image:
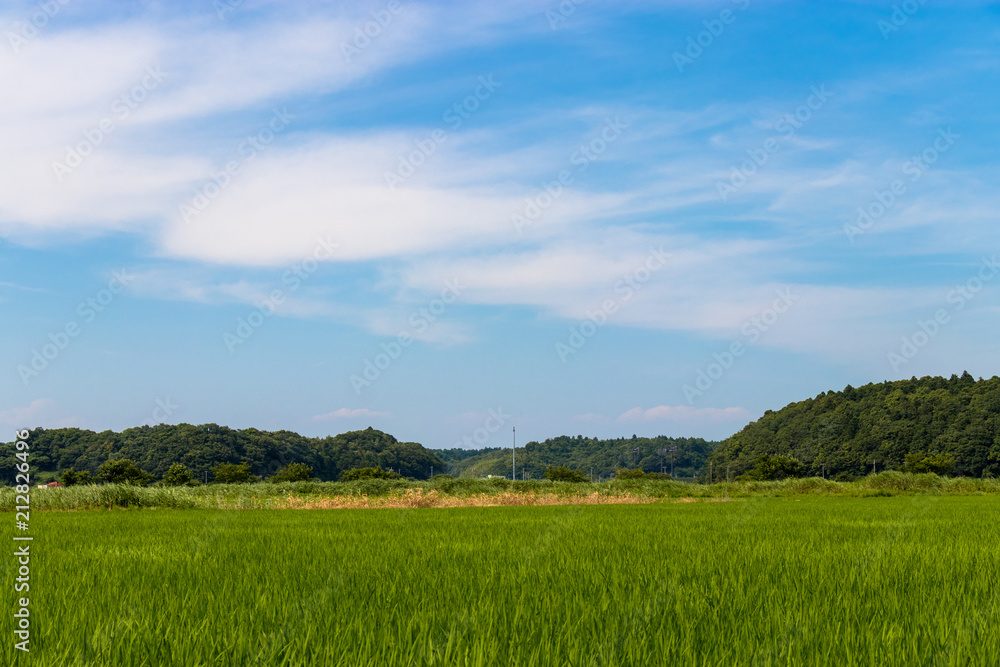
(950, 426)
(156, 448)
(586, 454)
(953, 424)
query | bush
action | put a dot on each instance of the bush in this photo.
(122, 471)
(356, 474)
(939, 464)
(69, 478)
(230, 473)
(564, 474)
(627, 473)
(293, 472)
(178, 475)
(772, 468)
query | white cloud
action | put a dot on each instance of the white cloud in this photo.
(175, 284)
(685, 413)
(350, 413)
(590, 417)
(29, 417)
(136, 175)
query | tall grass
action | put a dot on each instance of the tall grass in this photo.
(274, 496)
(765, 581)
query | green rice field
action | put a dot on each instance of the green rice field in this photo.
(909, 580)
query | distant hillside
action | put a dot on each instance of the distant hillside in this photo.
(848, 430)
(603, 456)
(155, 448)
(454, 455)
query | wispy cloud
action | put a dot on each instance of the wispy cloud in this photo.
(684, 413)
(29, 416)
(351, 413)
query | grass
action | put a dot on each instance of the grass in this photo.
(476, 492)
(762, 581)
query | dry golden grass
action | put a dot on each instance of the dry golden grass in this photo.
(413, 498)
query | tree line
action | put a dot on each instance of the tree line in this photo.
(202, 449)
(601, 458)
(933, 424)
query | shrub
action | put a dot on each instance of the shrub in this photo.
(178, 475)
(122, 471)
(772, 468)
(356, 474)
(627, 473)
(564, 474)
(230, 473)
(293, 472)
(939, 464)
(69, 478)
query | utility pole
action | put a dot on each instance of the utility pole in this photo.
(709, 473)
(513, 453)
(873, 466)
(824, 470)
(672, 450)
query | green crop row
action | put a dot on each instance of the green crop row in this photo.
(763, 581)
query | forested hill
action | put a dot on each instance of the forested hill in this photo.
(155, 448)
(603, 456)
(953, 423)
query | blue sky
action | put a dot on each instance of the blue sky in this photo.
(588, 218)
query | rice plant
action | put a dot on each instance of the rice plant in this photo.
(760, 581)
